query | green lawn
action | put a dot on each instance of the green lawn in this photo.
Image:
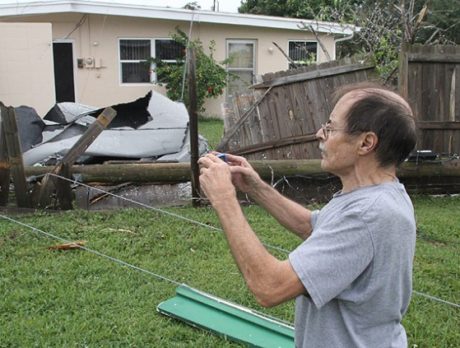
(78, 299)
(212, 129)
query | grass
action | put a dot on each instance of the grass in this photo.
(436, 272)
(212, 129)
(77, 299)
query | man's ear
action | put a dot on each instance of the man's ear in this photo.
(368, 143)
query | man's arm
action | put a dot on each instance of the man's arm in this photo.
(288, 213)
(271, 281)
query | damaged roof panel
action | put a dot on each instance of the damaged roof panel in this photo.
(150, 127)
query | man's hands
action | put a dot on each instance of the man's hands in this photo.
(215, 179)
(244, 177)
(270, 280)
(218, 179)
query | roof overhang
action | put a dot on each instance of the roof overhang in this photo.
(140, 10)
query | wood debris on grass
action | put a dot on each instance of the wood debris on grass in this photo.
(118, 230)
(68, 246)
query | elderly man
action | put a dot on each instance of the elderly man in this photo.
(352, 274)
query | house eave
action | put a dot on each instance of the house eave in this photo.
(175, 14)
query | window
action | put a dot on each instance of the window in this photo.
(241, 66)
(134, 54)
(169, 51)
(302, 52)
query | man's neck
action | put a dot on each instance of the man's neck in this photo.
(367, 174)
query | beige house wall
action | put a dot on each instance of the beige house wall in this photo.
(26, 65)
(98, 37)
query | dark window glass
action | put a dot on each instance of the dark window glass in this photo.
(135, 72)
(135, 53)
(300, 51)
(134, 49)
(169, 50)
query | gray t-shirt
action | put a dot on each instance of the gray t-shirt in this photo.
(357, 269)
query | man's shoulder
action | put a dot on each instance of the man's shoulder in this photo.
(374, 194)
(369, 203)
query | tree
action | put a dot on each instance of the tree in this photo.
(266, 7)
(441, 24)
(384, 24)
(312, 9)
(192, 6)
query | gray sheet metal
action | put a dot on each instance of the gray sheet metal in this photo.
(166, 135)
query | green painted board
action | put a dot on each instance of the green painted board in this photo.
(227, 319)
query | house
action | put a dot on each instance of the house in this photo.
(93, 52)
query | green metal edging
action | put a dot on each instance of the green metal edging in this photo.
(227, 319)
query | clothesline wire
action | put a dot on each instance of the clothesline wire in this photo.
(178, 216)
(92, 251)
(434, 298)
(121, 262)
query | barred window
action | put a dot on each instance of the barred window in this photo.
(135, 55)
(302, 52)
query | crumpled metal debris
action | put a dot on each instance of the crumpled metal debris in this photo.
(151, 128)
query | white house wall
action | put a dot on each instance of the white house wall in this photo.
(98, 38)
(26, 65)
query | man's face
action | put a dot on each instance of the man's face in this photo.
(338, 148)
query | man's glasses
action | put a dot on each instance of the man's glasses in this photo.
(327, 129)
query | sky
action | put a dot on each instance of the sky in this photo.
(223, 5)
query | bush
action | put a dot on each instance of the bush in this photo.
(211, 77)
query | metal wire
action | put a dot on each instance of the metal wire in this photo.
(436, 299)
(186, 59)
(433, 298)
(111, 258)
(123, 263)
(160, 210)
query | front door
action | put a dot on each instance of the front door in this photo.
(63, 72)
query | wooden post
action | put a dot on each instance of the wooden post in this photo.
(4, 164)
(63, 188)
(193, 124)
(10, 130)
(64, 193)
(403, 78)
(452, 97)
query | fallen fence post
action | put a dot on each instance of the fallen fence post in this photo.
(63, 190)
(16, 165)
(180, 172)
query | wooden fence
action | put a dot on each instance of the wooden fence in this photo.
(280, 118)
(430, 80)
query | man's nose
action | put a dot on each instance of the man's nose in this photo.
(320, 134)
